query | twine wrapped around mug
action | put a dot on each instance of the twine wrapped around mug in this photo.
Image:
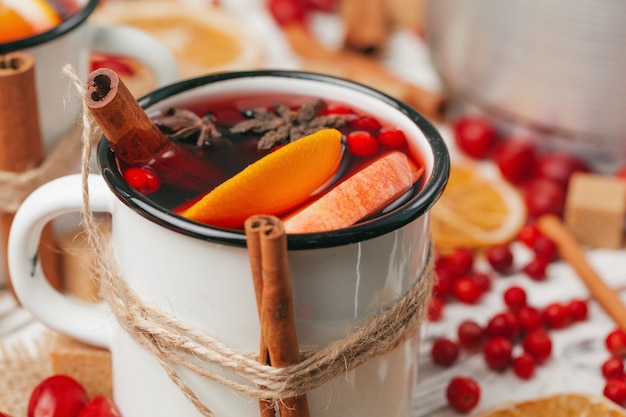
(176, 344)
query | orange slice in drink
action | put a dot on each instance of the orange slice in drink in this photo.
(274, 184)
(23, 18)
(13, 26)
(477, 209)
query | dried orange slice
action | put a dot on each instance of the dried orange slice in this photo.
(274, 184)
(558, 405)
(478, 208)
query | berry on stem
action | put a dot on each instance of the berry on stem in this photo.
(463, 393)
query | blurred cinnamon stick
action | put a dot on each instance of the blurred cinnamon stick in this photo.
(21, 144)
(366, 24)
(273, 290)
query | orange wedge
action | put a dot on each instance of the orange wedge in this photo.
(477, 209)
(361, 195)
(37, 14)
(274, 184)
(13, 26)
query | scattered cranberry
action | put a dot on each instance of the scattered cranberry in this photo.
(391, 138)
(544, 247)
(577, 310)
(323, 5)
(558, 167)
(514, 298)
(435, 309)
(621, 173)
(543, 196)
(498, 353)
(467, 290)
(529, 318)
(536, 269)
(616, 343)
(287, 11)
(556, 316)
(361, 143)
(538, 344)
(503, 324)
(500, 258)
(443, 285)
(615, 390)
(613, 368)
(529, 234)
(366, 123)
(474, 135)
(463, 393)
(57, 396)
(524, 366)
(4, 415)
(142, 179)
(470, 335)
(483, 281)
(461, 261)
(515, 159)
(444, 351)
(99, 406)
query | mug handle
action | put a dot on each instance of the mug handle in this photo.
(135, 43)
(89, 323)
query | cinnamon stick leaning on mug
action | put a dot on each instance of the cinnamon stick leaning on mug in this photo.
(267, 246)
(21, 145)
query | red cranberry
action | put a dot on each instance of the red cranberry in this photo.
(577, 310)
(544, 247)
(536, 269)
(391, 138)
(57, 396)
(515, 158)
(463, 393)
(500, 258)
(470, 335)
(287, 11)
(621, 173)
(444, 351)
(4, 415)
(435, 309)
(613, 368)
(339, 109)
(498, 353)
(543, 196)
(482, 280)
(323, 5)
(529, 234)
(524, 366)
(538, 344)
(615, 390)
(503, 325)
(113, 62)
(99, 406)
(142, 179)
(361, 143)
(529, 318)
(616, 343)
(461, 260)
(558, 167)
(443, 283)
(475, 136)
(556, 316)
(366, 123)
(514, 298)
(467, 290)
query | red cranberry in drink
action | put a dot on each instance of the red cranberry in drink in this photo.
(558, 167)
(361, 143)
(463, 393)
(615, 390)
(498, 353)
(543, 196)
(538, 344)
(514, 298)
(515, 159)
(142, 179)
(391, 138)
(470, 335)
(524, 366)
(474, 135)
(500, 258)
(444, 351)
(615, 343)
(613, 368)
(367, 123)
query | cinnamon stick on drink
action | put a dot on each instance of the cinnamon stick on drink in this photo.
(21, 144)
(134, 137)
(267, 245)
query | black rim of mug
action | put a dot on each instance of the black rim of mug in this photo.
(394, 219)
(67, 25)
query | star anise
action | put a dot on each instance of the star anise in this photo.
(283, 125)
(184, 125)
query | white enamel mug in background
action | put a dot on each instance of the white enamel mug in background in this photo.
(72, 42)
(201, 274)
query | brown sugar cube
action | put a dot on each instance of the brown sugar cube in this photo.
(595, 210)
(91, 366)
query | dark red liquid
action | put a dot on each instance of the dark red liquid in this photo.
(231, 152)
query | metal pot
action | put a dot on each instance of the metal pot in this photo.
(554, 69)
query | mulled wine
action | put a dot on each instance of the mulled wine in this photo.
(218, 137)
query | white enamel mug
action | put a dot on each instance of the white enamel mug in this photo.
(201, 274)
